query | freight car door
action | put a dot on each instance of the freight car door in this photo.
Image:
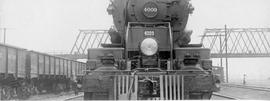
(73, 69)
(41, 64)
(21, 63)
(57, 66)
(52, 63)
(69, 69)
(64, 67)
(34, 65)
(3, 59)
(47, 65)
(11, 61)
(61, 66)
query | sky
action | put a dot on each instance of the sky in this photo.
(52, 25)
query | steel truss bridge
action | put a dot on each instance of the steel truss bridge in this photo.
(87, 39)
(237, 42)
(223, 42)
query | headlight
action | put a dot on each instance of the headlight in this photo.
(149, 46)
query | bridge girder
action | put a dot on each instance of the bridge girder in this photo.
(240, 42)
(237, 42)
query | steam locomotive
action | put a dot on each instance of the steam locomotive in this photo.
(149, 57)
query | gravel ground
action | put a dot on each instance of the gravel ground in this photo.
(245, 94)
(240, 93)
(258, 83)
(59, 97)
(218, 98)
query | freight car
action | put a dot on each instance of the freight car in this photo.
(24, 73)
(149, 57)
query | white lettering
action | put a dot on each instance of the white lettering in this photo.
(150, 9)
(149, 33)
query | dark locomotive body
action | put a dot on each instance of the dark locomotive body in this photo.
(174, 11)
(149, 57)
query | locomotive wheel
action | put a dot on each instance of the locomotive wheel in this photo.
(194, 96)
(197, 96)
(88, 96)
(33, 90)
(61, 87)
(23, 92)
(207, 95)
(55, 88)
(13, 93)
(6, 93)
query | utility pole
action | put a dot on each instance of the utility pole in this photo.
(226, 55)
(5, 30)
(220, 49)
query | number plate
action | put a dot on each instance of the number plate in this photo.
(149, 33)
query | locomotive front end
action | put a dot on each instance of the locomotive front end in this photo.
(149, 67)
(148, 45)
(153, 60)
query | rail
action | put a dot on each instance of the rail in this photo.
(74, 98)
(248, 87)
(225, 96)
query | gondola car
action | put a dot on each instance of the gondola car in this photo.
(24, 73)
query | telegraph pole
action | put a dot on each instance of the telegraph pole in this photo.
(220, 50)
(4, 30)
(226, 55)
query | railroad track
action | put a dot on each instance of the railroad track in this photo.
(48, 95)
(78, 97)
(248, 87)
(225, 97)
